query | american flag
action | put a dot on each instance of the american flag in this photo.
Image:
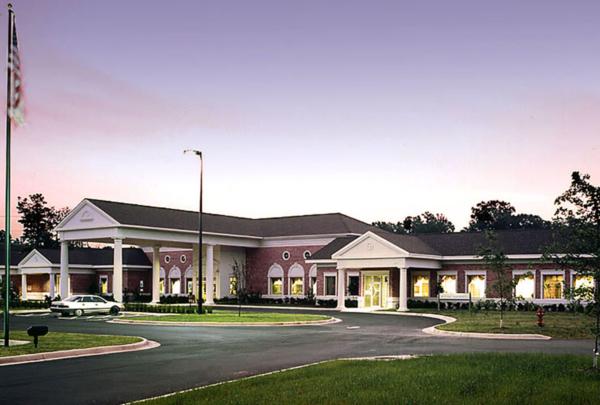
(16, 109)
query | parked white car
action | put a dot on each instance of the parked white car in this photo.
(85, 304)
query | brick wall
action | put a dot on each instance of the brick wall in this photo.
(260, 260)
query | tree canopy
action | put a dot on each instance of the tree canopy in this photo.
(39, 220)
(427, 222)
(498, 215)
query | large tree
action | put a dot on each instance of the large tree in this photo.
(577, 242)
(427, 222)
(39, 220)
(498, 215)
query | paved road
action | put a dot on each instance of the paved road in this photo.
(197, 356)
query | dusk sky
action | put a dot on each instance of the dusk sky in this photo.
(377, 109)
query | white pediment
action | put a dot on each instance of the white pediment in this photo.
(370, 246)
(86, 215)
(35, 259)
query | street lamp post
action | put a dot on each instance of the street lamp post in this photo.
(199, 154)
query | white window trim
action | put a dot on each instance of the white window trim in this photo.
(476, 273)
(329, 274)
(412, 285)
(283, 255)
(167, 259)
(304, 254)
(271, 294)
(183, 259)
(551, 273)
(517, 273)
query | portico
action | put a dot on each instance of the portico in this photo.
(152, 228)
(380, 263)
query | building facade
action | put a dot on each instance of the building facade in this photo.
(326, 256)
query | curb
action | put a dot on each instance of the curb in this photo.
(329, 321)
(432, 330)
(145, 344)
(283, 307)
(250, 377)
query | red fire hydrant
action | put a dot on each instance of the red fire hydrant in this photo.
(540, 316)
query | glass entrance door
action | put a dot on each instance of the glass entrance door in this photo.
(373, 291)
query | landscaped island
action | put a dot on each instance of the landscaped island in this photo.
(454, 379)
(55, 341)
(559, 325)
(232, 317)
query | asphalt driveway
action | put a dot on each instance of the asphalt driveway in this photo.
(195, 356)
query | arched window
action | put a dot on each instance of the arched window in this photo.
(189, 279)
(175, 280)
(275, 280)
(296, 280)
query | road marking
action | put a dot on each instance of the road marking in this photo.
(352, 327)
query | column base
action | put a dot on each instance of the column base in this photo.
(402, 310)
(341, 308)
(209, 303)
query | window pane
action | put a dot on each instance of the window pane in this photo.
(276, 286)
(330, 285)
(175, 286)
(232, 285)
(525, 288)
(353, 285)
(553, 286)
(421, 286)
(161, 285)
(476, 286)
(296, 286)
(448, 284)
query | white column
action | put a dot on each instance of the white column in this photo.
(64, 269)
(209, 275)
(117, 281)
(23, 287)
(403, 289)
(156, 275)
(195, 267)
(341, 289)
(52, 286)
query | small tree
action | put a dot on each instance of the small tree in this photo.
(576, 243)
(240, 272)
(495, 260)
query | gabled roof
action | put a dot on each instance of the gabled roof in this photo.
(513, 242)
(168, 218)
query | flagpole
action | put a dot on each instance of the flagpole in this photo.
(7, 191)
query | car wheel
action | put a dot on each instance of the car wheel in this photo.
(78, 312)
(114, 310)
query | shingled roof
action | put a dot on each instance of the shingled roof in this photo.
(89, 256)
(455, 244)
(168, 218)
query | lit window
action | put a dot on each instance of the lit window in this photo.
(329, 285)
(553, 286)
(476, 285)
(296, 286)
(285, 255)
(306, 254)
(583, 281)
(233, 285)
(353, 285)
(104, 285)
(420, 286)
(204, 287)
(167, 259)
(276, 284)
(525, 287)
(190, 285)
(183, 258)
(448, 284)
(161, 286)
(175, 286)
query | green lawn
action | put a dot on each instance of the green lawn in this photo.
(560, 325)
(54, 341)
(453, 379)
(231, 316)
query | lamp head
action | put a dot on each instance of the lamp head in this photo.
(196, 152)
